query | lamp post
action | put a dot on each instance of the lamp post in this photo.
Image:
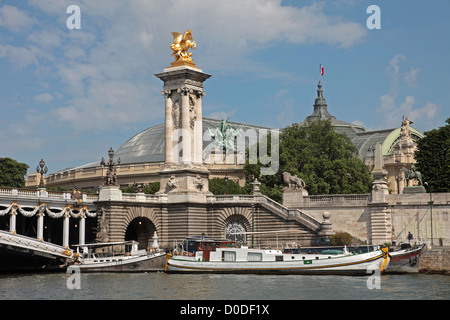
(42, 169)
(253, 225)
(111, 178)
(431, 211)
(226, 185)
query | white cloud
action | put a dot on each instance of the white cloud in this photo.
(14, 19)
(411, 77)
(21, 56)
(392, 111)
(44, 97)
(105, 72)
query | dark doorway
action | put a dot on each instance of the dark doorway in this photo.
(141, 230)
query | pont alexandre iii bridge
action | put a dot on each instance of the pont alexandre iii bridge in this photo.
(44, 225)
(37, 227)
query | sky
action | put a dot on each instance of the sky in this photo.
(67, 95)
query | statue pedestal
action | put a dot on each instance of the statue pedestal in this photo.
(414, 189)
(112, 193)
(185, 183)
(293, 198)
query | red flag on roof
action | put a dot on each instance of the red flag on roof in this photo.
(321, 70)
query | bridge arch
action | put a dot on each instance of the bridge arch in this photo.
(140, 225)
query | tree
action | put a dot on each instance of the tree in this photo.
(325, 160)
(433, 158)
(220, 186)
(12, 173)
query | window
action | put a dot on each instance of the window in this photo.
(254, 256)
(235, 231)
(278, 258)
(228, 256)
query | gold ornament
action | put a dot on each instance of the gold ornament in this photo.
(180, 46)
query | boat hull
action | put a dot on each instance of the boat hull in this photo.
(363, 264)
(149, 263)
(406, 260)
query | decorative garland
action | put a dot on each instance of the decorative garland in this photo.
(55, 213)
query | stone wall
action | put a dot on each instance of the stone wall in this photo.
(435, 261)
(407, 212)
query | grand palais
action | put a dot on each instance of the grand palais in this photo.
(142, 156)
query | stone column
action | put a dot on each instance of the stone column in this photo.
(169, 126)
(66, 230)
(82, 230)
(40, 225)
(198, 131)
(12, 221)
(185, 125)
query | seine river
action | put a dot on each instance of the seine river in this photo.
(162, 286)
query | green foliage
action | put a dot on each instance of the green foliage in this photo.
(341, 239)
(325, 160)
(12, 173)
(151, 188)
(219, 186)
(433, 158)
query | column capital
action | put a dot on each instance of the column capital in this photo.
(200, 93)
(166, 93)
(185, 91)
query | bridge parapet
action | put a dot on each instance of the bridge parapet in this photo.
(40, 203)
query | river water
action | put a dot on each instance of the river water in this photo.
(162, 286)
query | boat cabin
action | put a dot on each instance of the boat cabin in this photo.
(109, 249)
(205, 246)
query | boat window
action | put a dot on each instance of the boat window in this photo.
(254, 256)
(228, 256)
(278, 258)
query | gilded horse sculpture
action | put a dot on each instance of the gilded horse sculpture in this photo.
(180, 46)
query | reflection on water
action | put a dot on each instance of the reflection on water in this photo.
(153, 286)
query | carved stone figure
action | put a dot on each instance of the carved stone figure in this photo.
(192, 112)
(405, 131)
(176, 113)
(199, 183)
(172, 183)
(103, 227)
(293, 182)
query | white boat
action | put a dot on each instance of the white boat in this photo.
(405, 259)
(118, 257)
(223, 256)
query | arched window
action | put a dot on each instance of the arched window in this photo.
(235, 231)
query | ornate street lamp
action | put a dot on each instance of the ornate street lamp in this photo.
(110, 179)
(41, 169)
(431, 211)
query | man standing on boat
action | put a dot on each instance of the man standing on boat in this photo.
(410, 237)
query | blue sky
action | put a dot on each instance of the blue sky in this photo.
(69, 95)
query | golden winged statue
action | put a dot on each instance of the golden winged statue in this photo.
(180, 46)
